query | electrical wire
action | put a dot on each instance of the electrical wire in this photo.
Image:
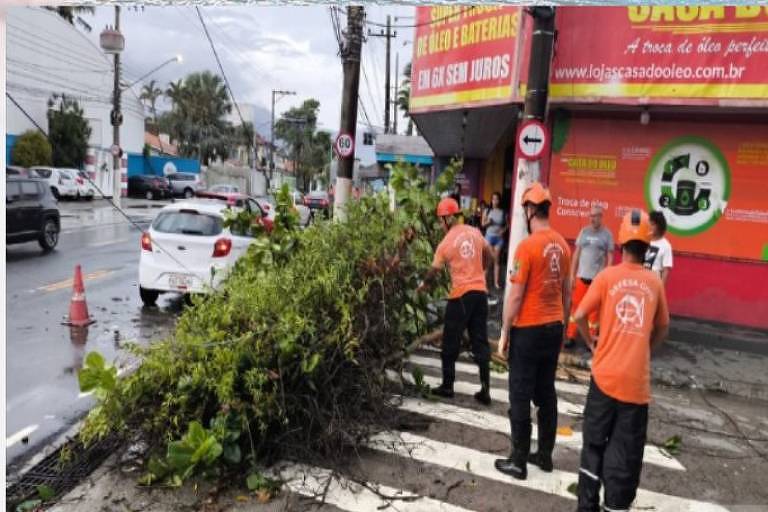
(370, 94)
(221, 68)
(423, 24)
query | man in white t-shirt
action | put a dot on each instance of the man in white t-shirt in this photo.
(659, 255)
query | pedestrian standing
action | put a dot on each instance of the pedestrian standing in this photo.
(633, 321)
(536, 307)
(659, 255)
(594, 252)
(495, 224)
(467, 255)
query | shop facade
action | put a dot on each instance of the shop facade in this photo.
(668, 110)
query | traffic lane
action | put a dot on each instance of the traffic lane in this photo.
(43, 355)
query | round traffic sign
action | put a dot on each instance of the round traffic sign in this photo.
(532, 139)
(344, 145)
(115, 150)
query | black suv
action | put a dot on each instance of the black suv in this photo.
(31, 212)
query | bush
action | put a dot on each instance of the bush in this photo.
(289, 357)
(30, 149)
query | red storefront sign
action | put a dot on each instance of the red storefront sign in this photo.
(661, 52)
(464, 56)
(709, 180)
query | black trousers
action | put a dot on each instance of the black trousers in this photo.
(614, 440)
(468, 312)
(533, 353)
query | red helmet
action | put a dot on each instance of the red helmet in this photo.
(447, 206)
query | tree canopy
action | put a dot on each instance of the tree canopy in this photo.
(308, 148)
(68, 131)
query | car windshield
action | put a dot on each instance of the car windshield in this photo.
(43, 173)
(187, 222)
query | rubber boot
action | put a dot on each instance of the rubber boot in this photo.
(484, 395)
(445, 390)
(547, 428)
(515, 465)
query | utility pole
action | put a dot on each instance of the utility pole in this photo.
(348, 125)
(389, 35)
(116, 117)
(542, 43)
(272, 133)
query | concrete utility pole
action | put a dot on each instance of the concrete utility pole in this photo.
(389, 35)
(116, 118)
(348, 125)
(536, 94)
(272, 133)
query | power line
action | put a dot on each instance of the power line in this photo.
(221, 68)
(370, 93)
(416, 25)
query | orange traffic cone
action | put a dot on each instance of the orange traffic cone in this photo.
(78, 309)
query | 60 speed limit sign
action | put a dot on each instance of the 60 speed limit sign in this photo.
(344, 145)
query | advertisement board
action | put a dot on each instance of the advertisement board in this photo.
(464, 56)
(710, 52)
(708, 179)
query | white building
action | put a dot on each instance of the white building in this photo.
(45, 55)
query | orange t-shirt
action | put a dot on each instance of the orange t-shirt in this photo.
(632, 304)
(462, 250)
(542, 262)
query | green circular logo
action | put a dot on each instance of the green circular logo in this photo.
(690, 181)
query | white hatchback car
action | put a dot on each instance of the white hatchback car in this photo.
(61, 182)
(188, 250)
(85, 190)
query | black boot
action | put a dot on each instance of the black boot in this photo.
(484, 395)
(547, 428)
(443, 391)
(515, 465)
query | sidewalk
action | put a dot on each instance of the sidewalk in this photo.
(100, 212)
(697, 355)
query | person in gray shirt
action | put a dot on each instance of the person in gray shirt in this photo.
(594, 252)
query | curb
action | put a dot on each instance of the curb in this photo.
(578, 368)
(720, 337)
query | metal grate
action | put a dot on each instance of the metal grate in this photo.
(60, 476)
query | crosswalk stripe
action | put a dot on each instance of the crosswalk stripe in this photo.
(499, 395)
(431, 362)
(496, 423)
(347, 495)
(480, 464)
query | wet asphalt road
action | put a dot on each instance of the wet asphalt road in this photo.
(42, 355)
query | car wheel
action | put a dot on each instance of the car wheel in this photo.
(148, 297)
(89, 197)
(189, 193)
(50, 235)
(55, 193)
(149, 195)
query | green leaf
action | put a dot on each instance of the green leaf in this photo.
(574, 489)
(45, 492)
(254, 481)
(28, 506)
(232, 453)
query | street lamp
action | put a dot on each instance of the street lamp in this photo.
(113, 42)
(177, 58)
(272, 129)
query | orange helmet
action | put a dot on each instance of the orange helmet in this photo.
(635, 226)
(536, 194)
(447, 206)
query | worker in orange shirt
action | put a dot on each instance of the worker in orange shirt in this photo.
(467, 255)
(634, 319)
(536, 308)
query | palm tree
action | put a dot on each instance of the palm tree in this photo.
(72, 14)
(175, 92)
(404, 97)
(150, 93)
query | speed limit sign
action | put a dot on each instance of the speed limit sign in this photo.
(344, 145)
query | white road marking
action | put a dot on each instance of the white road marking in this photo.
(432, 362)
(68, 283)
(499, 395)
(479, 463)
(496, 423)
(18, 436)
(347, 495)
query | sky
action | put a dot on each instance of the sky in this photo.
(261, 48)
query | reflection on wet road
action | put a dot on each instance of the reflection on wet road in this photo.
(43, 355)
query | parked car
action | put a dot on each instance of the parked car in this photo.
(187, 249)
(85, 189)
(238, 200)
(148, 186)
(319, 201)
(185, 184)
(62, 184)
(15, 170)
(217, 190)
(269, 202)
(31, 213)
